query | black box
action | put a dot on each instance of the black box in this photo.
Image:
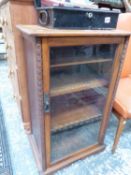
(76, 18)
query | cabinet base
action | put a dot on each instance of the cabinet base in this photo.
(65, 161)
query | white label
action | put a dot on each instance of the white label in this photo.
(107, 20)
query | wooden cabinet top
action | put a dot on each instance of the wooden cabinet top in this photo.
(36, 30)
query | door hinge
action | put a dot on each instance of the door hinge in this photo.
(46, 103)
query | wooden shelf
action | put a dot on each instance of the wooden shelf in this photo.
(65, 84)
(73, 118)
(80, 61)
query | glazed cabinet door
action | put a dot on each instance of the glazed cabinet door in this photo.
(80, 77)
(77, 85)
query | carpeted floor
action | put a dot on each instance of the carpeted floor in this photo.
(104, 163)
(5, 162)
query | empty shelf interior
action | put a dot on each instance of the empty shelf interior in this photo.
(76, 109)
(64, 83)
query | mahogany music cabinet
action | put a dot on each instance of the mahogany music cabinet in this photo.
(72, 79)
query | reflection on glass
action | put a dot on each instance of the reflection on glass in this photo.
(79, 82)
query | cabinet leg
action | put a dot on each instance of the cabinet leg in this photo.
(27, 127)
(120, 128)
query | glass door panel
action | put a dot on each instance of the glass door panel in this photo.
(80, 78)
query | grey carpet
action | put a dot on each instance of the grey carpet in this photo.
(5, 162)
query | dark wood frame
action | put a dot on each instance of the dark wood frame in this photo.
(38, 69)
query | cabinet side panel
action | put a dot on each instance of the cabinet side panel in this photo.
(22, 13)
(35, 91)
